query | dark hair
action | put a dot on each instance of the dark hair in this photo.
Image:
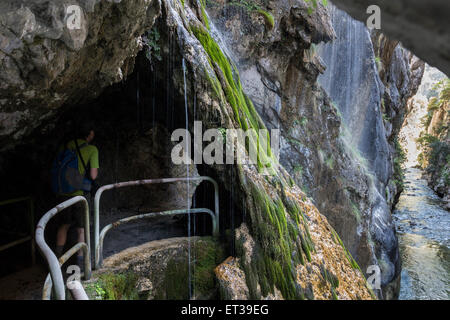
(84, 129)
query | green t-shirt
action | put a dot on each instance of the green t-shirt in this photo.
(90, 157)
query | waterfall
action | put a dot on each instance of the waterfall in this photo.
(187, 182)
(352, 82)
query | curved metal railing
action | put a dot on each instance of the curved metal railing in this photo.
(55, 277)
(99, 248)
(47, 291)
(100, 191)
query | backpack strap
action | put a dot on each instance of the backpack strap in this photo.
(82, 160)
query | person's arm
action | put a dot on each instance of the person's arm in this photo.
(93, 162)
(94, 173)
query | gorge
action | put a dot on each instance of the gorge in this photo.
(309, 225)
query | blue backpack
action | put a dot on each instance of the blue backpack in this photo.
(66, 178)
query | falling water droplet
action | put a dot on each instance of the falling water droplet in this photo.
(187, 182)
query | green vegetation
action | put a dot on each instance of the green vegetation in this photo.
(378, 63)
(298, 170)
(347, 253)
(151, 45)
(294, 141)
(171, 283)
(223, 132)
(175, 281)
(433, 142)
(303, 121)
(329, 163)
(251, 6)
(114, 286)
(399, 160)
(440, 101)
(280, 229)
(329, 277)
(204, 15)
(244, 110)
(268, 18)
(356, 212)
(313, 4)
(435, 156)
(207, 254)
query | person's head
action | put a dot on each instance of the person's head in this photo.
(86, 131)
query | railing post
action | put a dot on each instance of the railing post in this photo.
(53, 263)
(98, 194)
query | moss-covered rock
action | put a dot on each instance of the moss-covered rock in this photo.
(160, 270)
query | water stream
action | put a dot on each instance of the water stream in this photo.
(424, 239)
(187, 182)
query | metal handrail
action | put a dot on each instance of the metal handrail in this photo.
(47, 291)
(99, 248)
(100, 191)
(30, 236)
(53, 263)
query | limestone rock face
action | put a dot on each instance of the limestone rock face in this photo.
(231, 280)
(46, 62)
(370, 81)
(332, 127)
(287, 249)
(142, 156)
(273, 61)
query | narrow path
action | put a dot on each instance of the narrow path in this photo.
(27, 284)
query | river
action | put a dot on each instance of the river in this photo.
(423, 229)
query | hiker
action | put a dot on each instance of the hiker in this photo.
(78, 181)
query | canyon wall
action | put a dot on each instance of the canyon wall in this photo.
(336, 91)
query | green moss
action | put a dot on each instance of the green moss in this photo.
(176, 281)
(333, 293)
(399, 161)
(291, 182)
(356, 212)
(207, 254)
(303, 121)
(378, 63)
(278, 226)
(352, 261)
(251, 6)
(298, 170)
(114, 286)
(204, 15)
(329, 163)
(283, 242)
(268, 18)
(244, 111)
(312, 5)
